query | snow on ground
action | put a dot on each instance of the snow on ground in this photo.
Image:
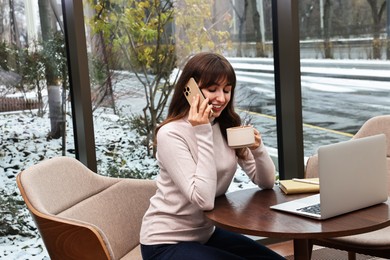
(23, 143)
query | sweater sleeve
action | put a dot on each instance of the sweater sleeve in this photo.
(187, 156)
(259, 167)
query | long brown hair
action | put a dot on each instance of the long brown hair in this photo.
(206, 68)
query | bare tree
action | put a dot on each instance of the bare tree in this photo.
(103, 58)
(15, 39)
(242, 10)
(48, 28)
(104, 91)
(2, 21)
(377, 13)
(241, 15)
(257, 29)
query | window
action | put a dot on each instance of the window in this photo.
(344, 68)
(35, 110)
(343, 64)
(123, 69)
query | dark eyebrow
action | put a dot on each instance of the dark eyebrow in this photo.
(215, 83)
(211, 83)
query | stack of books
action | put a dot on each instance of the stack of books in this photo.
(295, 186)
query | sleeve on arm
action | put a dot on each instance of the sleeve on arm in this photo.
(190, 163)
(259, 167)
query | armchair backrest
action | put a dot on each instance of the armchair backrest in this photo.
(62, 190)
(57, 184)
(373, 126)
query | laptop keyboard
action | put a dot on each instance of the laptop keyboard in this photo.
(313, 209)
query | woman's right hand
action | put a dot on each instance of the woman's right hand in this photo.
(201, 116)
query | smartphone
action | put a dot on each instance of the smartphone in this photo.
(191, 90)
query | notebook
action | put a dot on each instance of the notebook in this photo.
(294, 186)
(353, 175)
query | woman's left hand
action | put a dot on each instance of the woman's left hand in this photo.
(257, 139)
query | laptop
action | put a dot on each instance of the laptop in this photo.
(353, 175)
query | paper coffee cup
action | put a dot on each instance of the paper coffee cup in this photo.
(240, 136)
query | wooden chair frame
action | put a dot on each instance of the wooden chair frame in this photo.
(65, 239)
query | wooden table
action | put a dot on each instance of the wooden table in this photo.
(247, 212)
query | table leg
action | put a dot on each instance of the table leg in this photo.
(302, 249)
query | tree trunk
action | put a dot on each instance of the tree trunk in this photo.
(3, 28)
(13, 25)
(48, 25)
(55, 115)
(241, 22)
(102, 50)
(376, 18)
(257, 30)
(327, 29)
(108, 86)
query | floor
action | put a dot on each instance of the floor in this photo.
(283, 248)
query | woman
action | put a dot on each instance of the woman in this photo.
(196, 165)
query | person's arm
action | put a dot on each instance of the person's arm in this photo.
(189, 161)
(259, 165)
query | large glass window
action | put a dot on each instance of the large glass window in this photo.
(136, 53)
(344, 66)
(35, 111)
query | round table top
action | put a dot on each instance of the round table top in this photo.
(248, 212)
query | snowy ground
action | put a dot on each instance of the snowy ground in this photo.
(23, 143)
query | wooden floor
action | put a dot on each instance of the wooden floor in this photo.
(283, 248)
(286, 249)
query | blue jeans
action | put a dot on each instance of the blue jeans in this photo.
(222, 245)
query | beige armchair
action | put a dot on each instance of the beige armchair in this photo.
(83, 215)
(375, 243)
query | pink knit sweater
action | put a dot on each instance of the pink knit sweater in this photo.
(196, 165)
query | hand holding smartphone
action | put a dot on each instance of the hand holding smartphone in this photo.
(191, 90)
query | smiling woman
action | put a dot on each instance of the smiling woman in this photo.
(202, 169)
(129, 74)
